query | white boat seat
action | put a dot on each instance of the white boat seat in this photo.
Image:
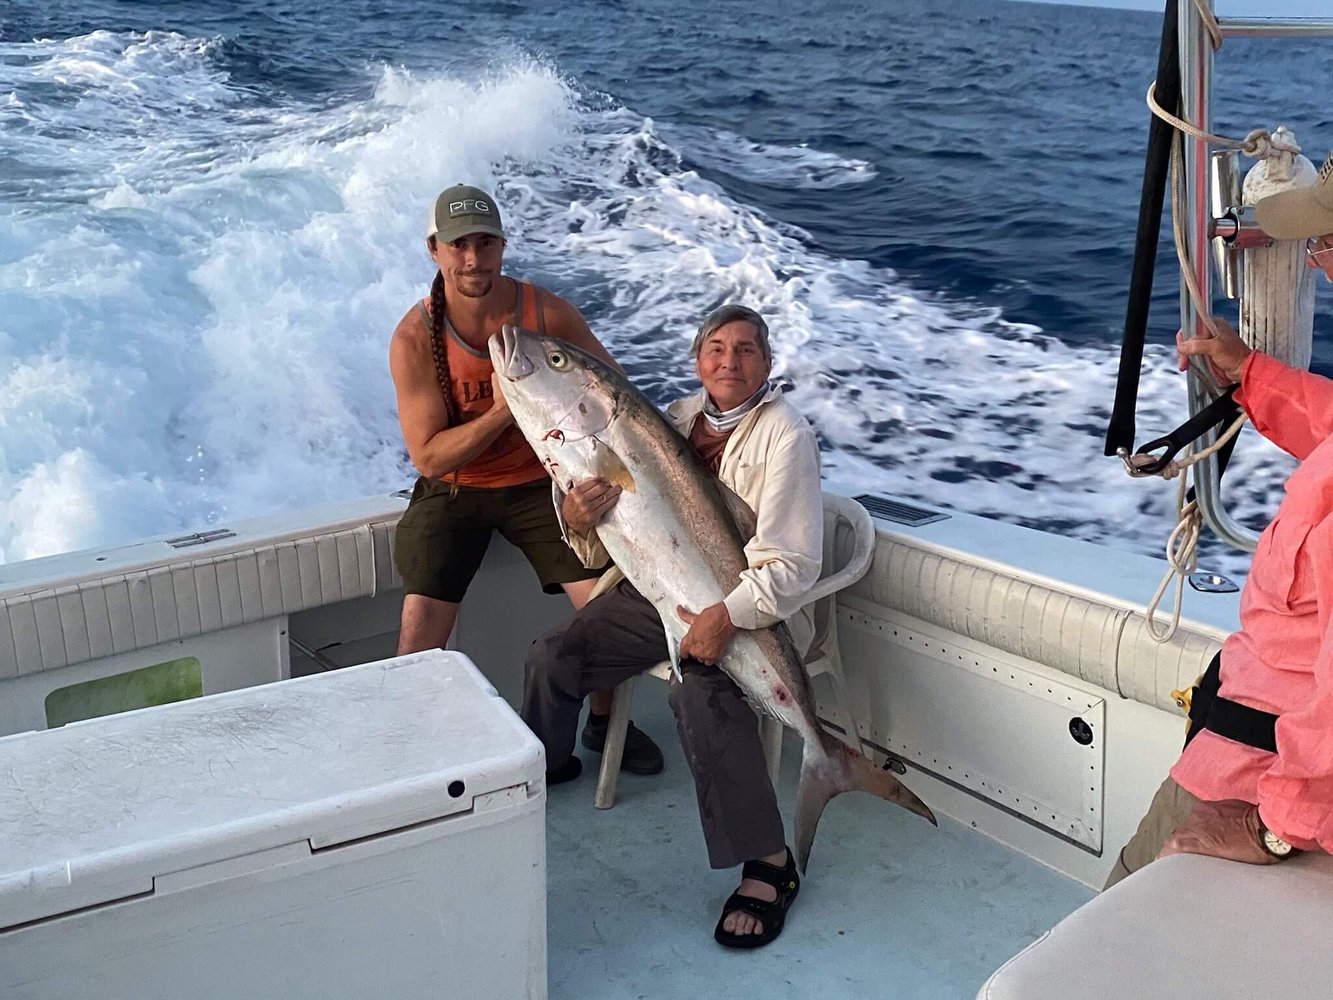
(1187, 928)
(849, 548)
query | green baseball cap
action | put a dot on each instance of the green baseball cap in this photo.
(461, 210)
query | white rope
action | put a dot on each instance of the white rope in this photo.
(1178, 232)
(1257, 143)
(1181, 560)
(1209, 22)
(1182, 543)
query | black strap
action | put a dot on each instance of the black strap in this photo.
(1209, 710)
(1243, 724)
(1220, 411)
(1157, 159)
(762, 908)
(1202, 695)
(779, 878)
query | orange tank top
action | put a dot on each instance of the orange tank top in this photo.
(509, 460)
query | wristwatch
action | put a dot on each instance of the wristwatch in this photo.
(1273, 845)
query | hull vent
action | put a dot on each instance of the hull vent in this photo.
(893, 510)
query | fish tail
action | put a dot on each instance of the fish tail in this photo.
(836, 770)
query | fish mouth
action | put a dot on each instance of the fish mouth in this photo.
(507, 354)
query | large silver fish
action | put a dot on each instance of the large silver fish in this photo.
(674, 533)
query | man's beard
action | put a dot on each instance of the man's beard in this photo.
(464, 291)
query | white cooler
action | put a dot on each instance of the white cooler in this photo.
(376, 832)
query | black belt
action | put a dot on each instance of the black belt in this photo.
(1209, 710)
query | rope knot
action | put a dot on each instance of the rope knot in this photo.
(1257, 144)
(1261, 146)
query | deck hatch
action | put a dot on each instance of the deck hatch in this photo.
(896, 510)
(1002, 727)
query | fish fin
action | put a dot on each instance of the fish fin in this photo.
(608, 465)
(675, 630)
(673, 653)
(841, 769)
(746, 521)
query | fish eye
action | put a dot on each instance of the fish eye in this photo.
(558, 360)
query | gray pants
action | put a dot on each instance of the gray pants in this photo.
(618, 636)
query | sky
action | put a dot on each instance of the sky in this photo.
(1224, 8)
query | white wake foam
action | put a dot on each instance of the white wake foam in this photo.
(196, 316)
(798, 167)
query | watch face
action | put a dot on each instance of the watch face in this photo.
(1275, 845)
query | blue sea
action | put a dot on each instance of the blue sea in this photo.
(211, 218)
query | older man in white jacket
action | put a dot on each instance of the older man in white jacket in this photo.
(762, 448)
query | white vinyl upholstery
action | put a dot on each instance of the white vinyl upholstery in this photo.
(1187, 928)
(148, 593)
(1102, 642)
(52, 626)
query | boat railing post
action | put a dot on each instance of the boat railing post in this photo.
(1196, 78)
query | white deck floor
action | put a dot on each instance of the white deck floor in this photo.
(892, 908)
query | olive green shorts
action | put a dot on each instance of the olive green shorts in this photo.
(442, 538)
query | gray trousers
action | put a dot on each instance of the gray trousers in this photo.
(618, 636)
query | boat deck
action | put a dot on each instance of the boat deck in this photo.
(892, 908)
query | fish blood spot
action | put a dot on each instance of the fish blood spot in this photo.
(554, 435)
(782, 694)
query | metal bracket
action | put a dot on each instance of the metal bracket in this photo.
(201, 538)
(1212, 583)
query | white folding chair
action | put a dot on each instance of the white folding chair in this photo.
(849, 547)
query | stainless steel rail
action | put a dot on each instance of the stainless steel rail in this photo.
(1196, 79)
(1275, 27)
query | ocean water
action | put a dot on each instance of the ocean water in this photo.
(211, 218)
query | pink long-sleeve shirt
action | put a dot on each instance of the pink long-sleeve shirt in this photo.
(1281, 660)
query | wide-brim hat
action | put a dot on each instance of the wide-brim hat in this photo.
(462, 210)
(1302, 212)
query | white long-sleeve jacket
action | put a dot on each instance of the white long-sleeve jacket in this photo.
(771, 461)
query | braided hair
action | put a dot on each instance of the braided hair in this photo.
(437, 348)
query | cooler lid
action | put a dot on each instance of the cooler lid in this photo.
(96, 810)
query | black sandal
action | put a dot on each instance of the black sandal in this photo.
(772, 915)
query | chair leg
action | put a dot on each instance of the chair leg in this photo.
(616, 728)
(770, 736)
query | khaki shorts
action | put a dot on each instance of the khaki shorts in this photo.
(1170, 807)
(442, 537)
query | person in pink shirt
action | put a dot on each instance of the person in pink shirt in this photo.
(1255, 781)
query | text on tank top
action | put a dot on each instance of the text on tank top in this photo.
(508, 460)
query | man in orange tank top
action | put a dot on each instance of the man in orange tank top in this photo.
(478, 474)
